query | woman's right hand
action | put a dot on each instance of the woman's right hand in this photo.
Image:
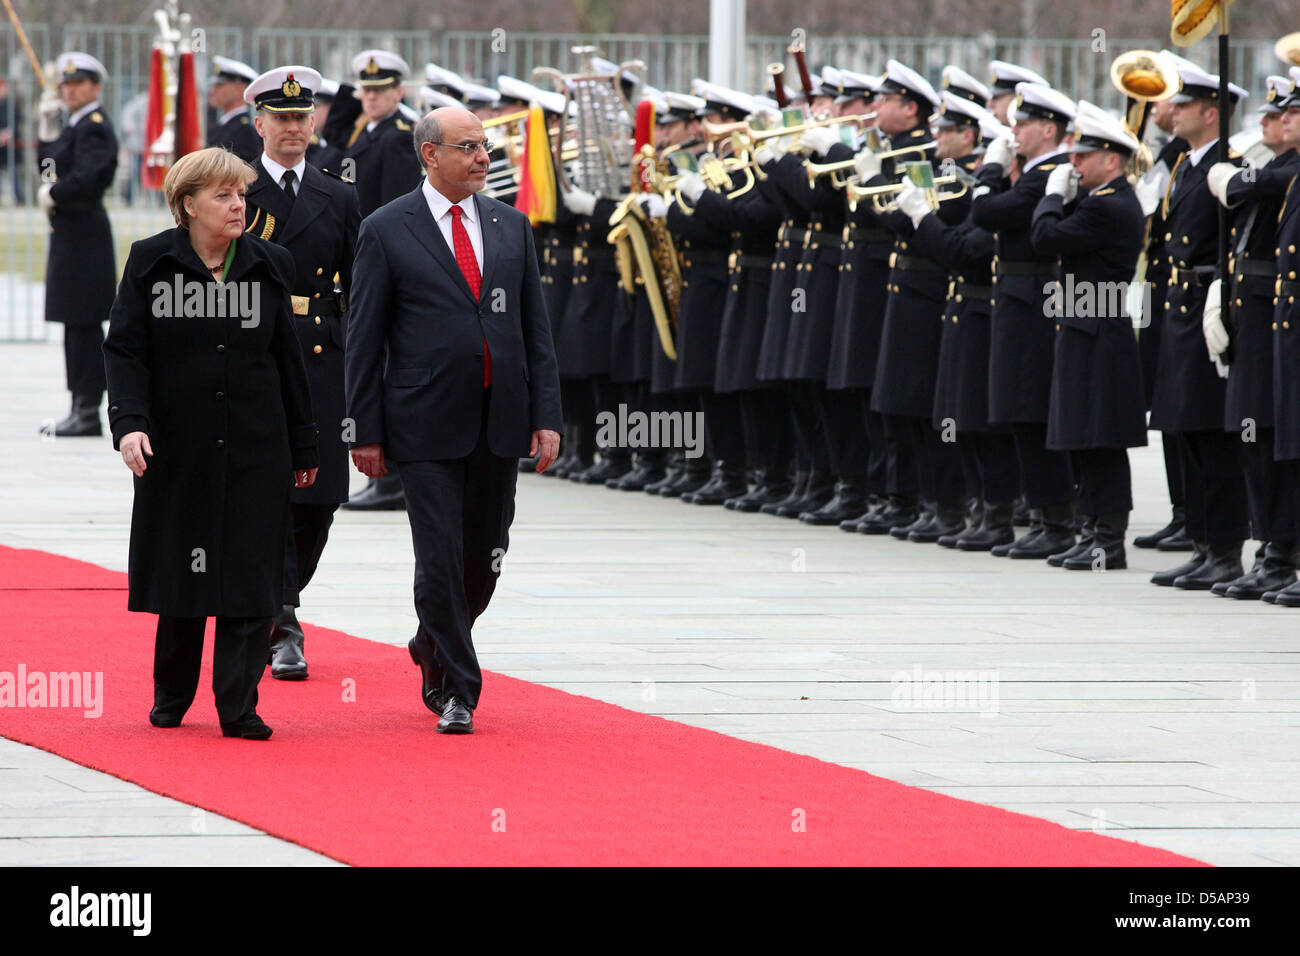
(135, 445)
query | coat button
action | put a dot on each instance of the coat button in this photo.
(320, 271)
(317, 349)
(316, 296)
(1274, 326)
(220, 443)
(112, 408)
(1168, 236)
(1239, 303)
(220, 349)
(318, 320)
(1182, 309)
(220, 395)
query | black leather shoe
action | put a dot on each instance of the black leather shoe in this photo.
(817, 492)
(766, 492)
(249, 728)
(1105, 545)
(854, 525)
(1275, 572)
(287, 660)
(897, 511)
(949, 521)
(1166, 579)
(1178, 541)
(1221, 564)
(1287, 597)
(1083, 546)
(1175, 526)
(645, 473)
(924, 518)
(1256, 569)
(162, 718)
(995, 529)
(456, 718)
(83, 420)
(604, 470)
(727, 481)
(848, 502)
(797, 489)
(1056, 536)
(693, 476)
(382, 494)
(430, 680)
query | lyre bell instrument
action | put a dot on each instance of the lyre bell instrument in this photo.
(1144, 77)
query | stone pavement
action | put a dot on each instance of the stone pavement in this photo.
(1154, 715)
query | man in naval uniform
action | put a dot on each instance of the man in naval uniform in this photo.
(233, 129)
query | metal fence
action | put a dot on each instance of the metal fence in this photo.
(1076, 66)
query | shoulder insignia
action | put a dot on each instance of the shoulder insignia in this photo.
(97, 117)
(1233, 154)
(314, 141)
(1047, 167)
(244, 119)
(268, 226)
(919, 132)
(253, 223)
(1164, 204)
(404, 126)
(1104, 192)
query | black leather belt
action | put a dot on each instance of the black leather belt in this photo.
(914, 264)
(1286, 287)
(596, 255)
(691, 257)
(1024, 268)
(752, 262)
(821, 239)
(1196, 275)
(974, 291)
(870, 235)
(1255, 269)
(795, 236)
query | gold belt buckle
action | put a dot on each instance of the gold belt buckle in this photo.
(301, 304)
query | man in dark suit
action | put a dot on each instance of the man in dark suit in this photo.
(315, 216)
(451, 372)
(233, 129)
(76, 166)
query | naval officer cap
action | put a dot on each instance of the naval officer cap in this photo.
(1095, 129)
(1036, 101)
(907, 82)
(74, 65)
(1197, 84)
(329, 89)
(1292, 98)
(444, 80)
(854, 86)
(375, 68)
(957, 110)
(519, 91)
(830, 82)
(958, 81)
(431, 99)
(232, 71)
(724, 100)
(1004, 76)
(681, 107)
(657, 100)
(477, 96)
(286, 89)
(1277, 88)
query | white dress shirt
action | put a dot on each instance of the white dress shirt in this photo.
(277, 172)
(440, 207)
(237, 111)
(1196, 155)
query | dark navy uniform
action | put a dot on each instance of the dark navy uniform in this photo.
(385, 162)
(238, 134)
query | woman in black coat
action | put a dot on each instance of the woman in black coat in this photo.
(203, 363)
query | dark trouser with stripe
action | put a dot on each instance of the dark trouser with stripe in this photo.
(460, 512)
(1044, 475)
(1105, 482)
(1214, 486)
(723, 427)
(846, 439)
(1268, 491)
(769, 444)
(809, 442)
(990, 466)
(309, 529)
(938, 463)
(83, 358)
(238, 659)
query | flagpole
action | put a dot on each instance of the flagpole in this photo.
(1225, 287)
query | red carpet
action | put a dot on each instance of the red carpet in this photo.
(356, 772)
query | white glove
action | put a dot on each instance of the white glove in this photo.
(866, 164)
(653, 204)
(1220, 367)
(1001, 151)
(914, 203)
(765, 154)
(1149, 194)
(44, 199)
(1216, 336)
(691, 185)
(1062, 182)
(579, 201)
(48, 128)
(1217, 179)
(819, 140)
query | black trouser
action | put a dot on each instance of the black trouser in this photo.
(1044, 475)
(238, 659)
(938, 462)
(608, 396)
(1214, 487)
(1268, 494)
(989, 464)
(809, 442)
(723, 427)
(889, 470)
(1105, 482)
(460, 512)
(1173, 469)
(578, 399)
(846, 438)
(309, 529)
(83, 357)
(765, 417)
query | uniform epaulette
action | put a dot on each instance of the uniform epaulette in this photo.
(1104, 192)
(404, 126)
(1233, 154)
(1047, 167)
(97, 117)
(970, 165)
(244, 119)
(919, 132)
(315, 139)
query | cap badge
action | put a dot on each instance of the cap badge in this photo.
(372, 67)
(291, 87)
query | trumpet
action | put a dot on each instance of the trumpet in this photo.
(881, 204)
(751, 136)
(842, 170)
(505, 118)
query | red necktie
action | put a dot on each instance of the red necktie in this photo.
(469, 266)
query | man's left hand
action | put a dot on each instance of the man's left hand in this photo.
(304, 477)
(545, 448)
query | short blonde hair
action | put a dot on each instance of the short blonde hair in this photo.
(198, 170)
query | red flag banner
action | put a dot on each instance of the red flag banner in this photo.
(1193, 19)
(189, 132)
(154, 167)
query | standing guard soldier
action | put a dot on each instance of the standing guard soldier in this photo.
(315, 216)
(1189, 398)
(385, 166)
(233, 129)
(77, 166)
(1255, 198)
(1095, 224)
(1022, 337)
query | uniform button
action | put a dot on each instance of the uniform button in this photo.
(735, 288)
(1169, 305)
(902, 245)
(848, 267)
(958, 298)
(1239, 303)
(1278, 251)
(1288, 249)
(1291, 274)
(1274, 326)
(1058, 328)
(317, 349)
(1183, 309)
(112, 408)
(1168, 236)
(954, 320)
(320, 271)
(220, 395)
(220, 349)
(316, 296)
(318, 320)
(220, 443)
(584, 278)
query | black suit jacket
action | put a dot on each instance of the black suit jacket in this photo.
(414, 363)
(239, 135)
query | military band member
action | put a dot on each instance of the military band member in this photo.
(384, 166)
(1189, 398)
(1286, 328)
(1255, 198)
(1002, 92)
(1091, 218)
(1022, 338)
(233, 129)
(315, 216)
(76, 165)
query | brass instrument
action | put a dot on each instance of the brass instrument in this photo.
(776, 71)
(504, 118)
(840, 171)
(1144, 77)
(878, 194)
(751, 136)
(1288, 49)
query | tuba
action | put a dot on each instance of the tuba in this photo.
(1288, 49)
(1144, 77)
